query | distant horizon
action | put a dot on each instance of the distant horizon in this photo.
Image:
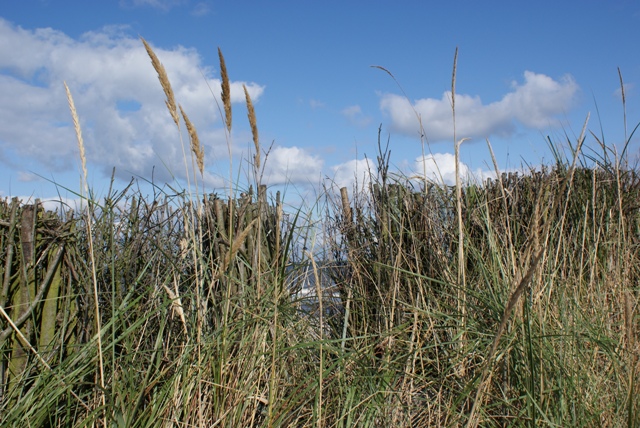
(524, 73)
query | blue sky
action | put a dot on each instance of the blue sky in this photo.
(526, 70)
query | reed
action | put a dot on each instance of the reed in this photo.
(78, 131)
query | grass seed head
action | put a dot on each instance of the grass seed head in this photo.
(196, 148)
(164, 81)
(226, 90)
(254, 126)
(76, 125)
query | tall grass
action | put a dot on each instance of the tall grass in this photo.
(512, 302)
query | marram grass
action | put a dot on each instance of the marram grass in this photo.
(202, 322)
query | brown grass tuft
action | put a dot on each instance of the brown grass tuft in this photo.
(164, 81)
(196, 148)
(254, 126)
(226, 90)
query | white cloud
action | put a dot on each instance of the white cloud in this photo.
(356, 172)
(104, 69)
(355, 116)
(26, 177)
(536, 103)
(441, 168)
(291, 165)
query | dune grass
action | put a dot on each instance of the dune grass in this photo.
(512, 302)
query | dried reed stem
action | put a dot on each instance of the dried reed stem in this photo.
(164, 81)
(196, 147)
(251, 113)
(226, 91)
(320, 298)
(462, 281)
(76, 125)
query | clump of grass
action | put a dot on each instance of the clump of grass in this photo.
(200, 322)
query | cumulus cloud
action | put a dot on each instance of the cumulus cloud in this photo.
(118, 98)
(536, 103)
(441, 168)
(354, 173)
(291, 165)
(355, 116)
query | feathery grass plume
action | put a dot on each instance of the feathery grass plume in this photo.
(196, 148)
(76, 126)
(226, 90)
(164, 81)
(254, 126)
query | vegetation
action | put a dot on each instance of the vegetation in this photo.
(512, 302)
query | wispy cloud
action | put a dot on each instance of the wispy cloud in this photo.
(163, 5)
(355, 116)
(201, 9)
(536, 103)
(27, 177)
(315, 104)
(108, 72)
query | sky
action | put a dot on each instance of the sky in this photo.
(326, 78)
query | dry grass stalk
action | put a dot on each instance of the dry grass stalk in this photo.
(226, 90)
(254, 126)
(176, 303)
(196, 148)
(320, 298)
(76, 126)
(164, 81)
(628, 319)
(462, 279)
